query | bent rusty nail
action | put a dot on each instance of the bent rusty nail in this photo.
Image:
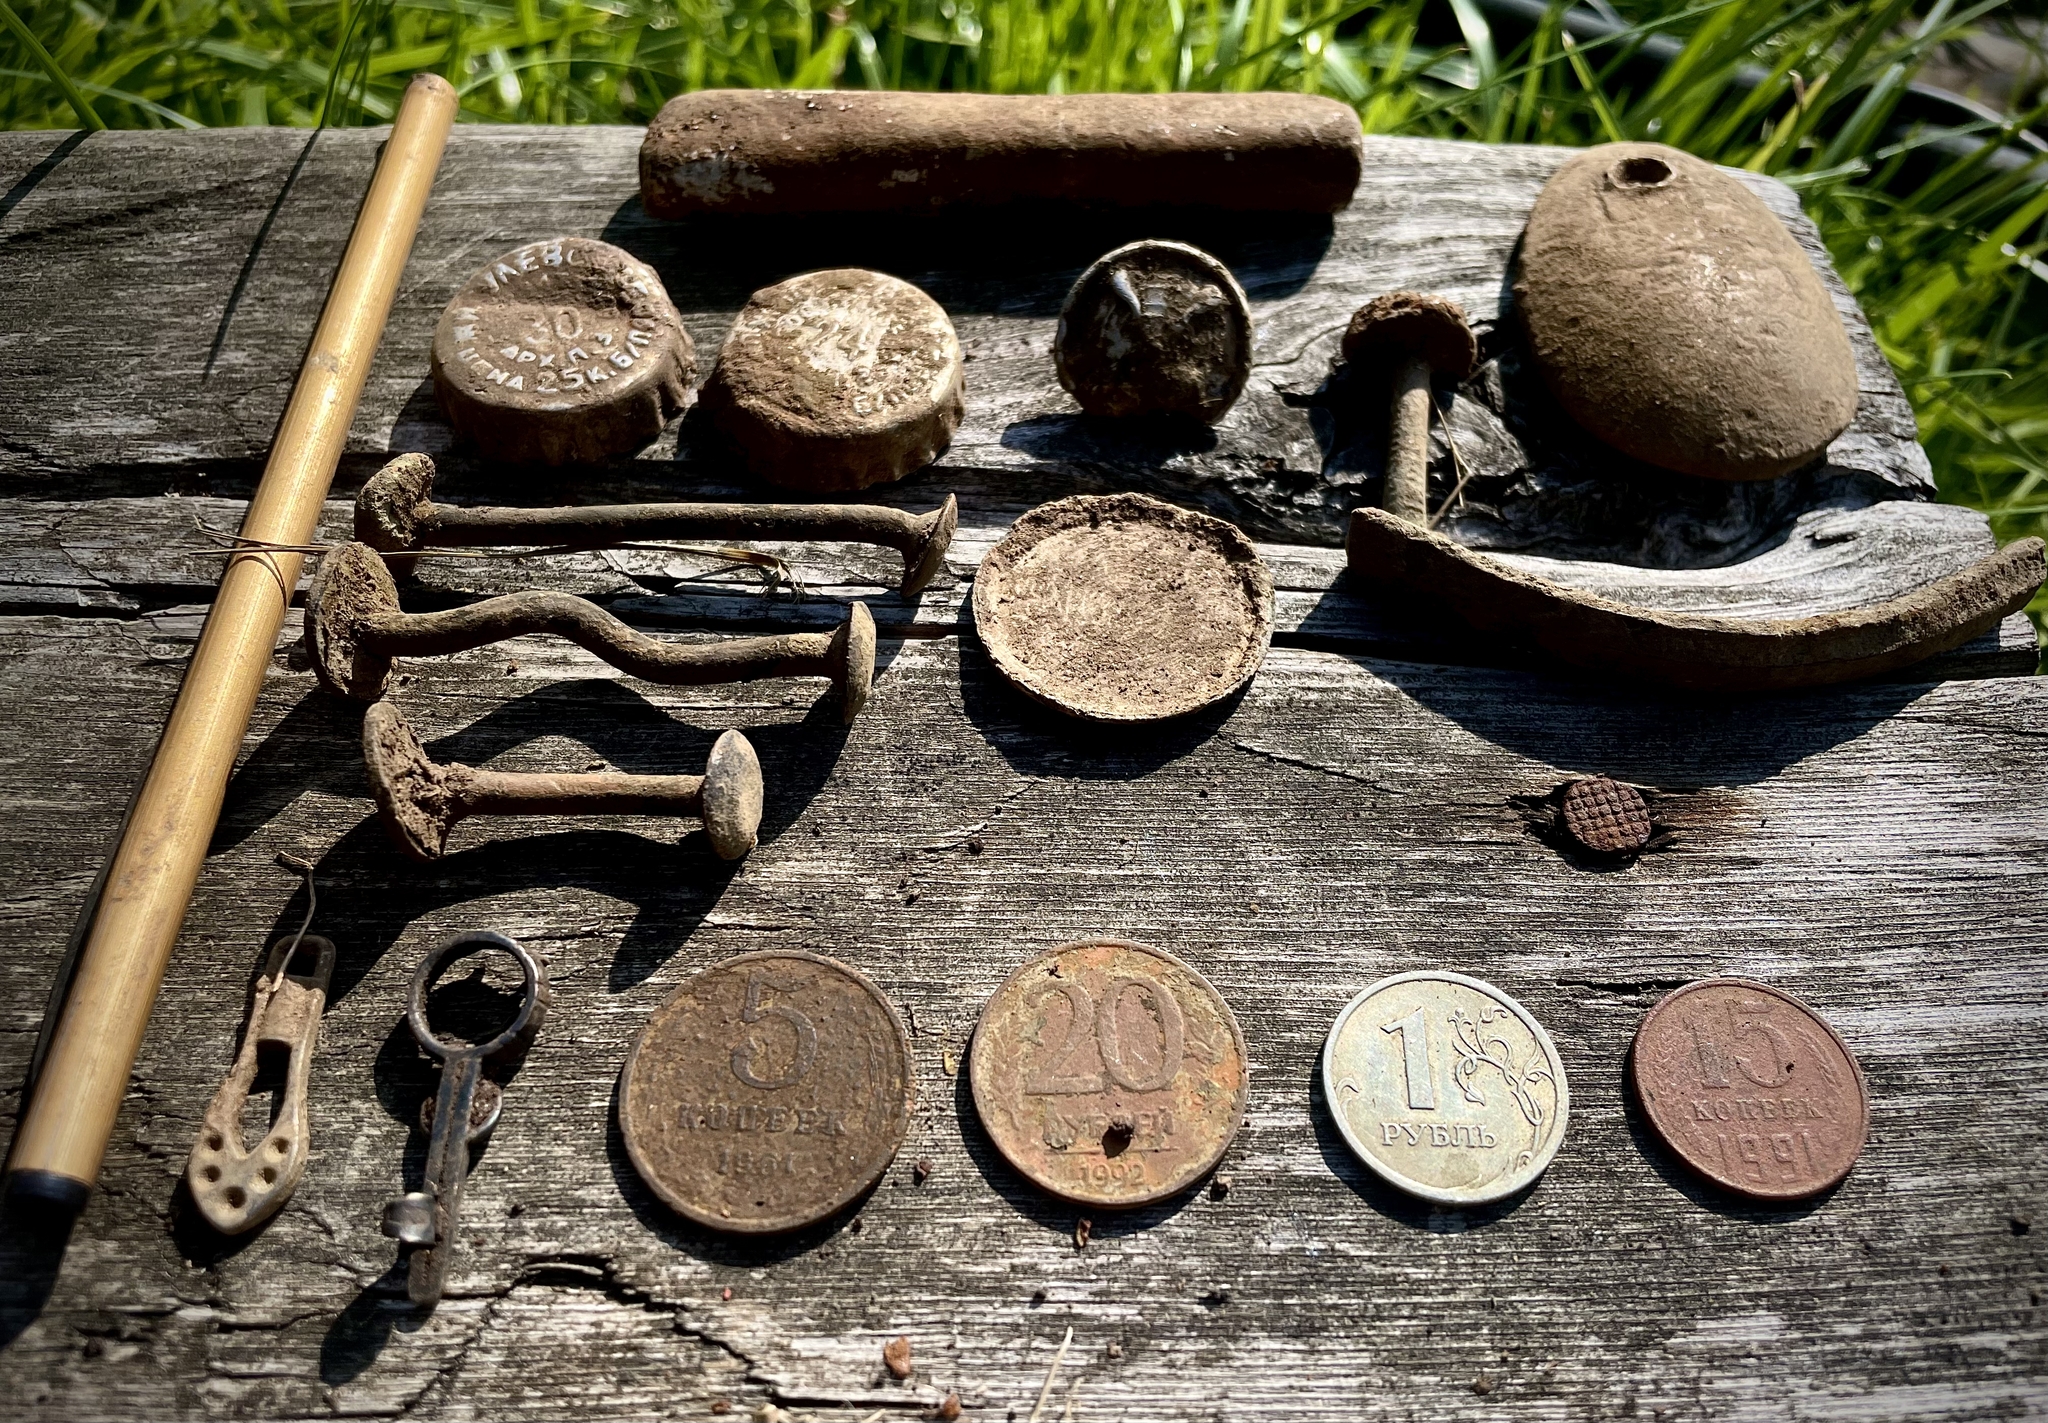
(1420, 336)
(235, 1188)
(1693, 649)
(354, 627)
(395, 515)
(421, 800)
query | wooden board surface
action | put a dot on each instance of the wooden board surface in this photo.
(1880, 850)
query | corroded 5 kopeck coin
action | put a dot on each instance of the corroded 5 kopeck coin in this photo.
(1109, 1073)
(1751, 1089)
(1446, 1087)
(769, 1093)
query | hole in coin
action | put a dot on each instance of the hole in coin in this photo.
(1117, 1139)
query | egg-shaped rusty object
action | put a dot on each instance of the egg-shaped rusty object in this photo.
(1675, 318)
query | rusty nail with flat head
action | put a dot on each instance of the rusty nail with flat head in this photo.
(394, 514)
(421, 800)
(1603, 816)
(354, 627)
(1419, 336)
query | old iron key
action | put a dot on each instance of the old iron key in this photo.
(425, 1219)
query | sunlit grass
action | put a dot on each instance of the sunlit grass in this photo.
(1943, 248)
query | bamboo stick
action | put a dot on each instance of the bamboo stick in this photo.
(63, 1135)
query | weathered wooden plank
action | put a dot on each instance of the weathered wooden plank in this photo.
(220, 247)
(1877, 849)
(128, 555)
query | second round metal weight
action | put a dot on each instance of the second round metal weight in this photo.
(1446, 1087)
(768, 1094)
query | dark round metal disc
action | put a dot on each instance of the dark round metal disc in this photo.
(1155, 328)
(1751, 1088)
(768, 1094)
(1109, 1073)
(1122, 608)
(837, 380)
(563, 350)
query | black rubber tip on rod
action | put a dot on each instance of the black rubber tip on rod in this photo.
(48, 1191)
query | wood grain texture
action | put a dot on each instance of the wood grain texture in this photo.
(1879, 850)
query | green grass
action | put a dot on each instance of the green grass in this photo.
(1944, 252)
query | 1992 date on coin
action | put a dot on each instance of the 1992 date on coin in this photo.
(1109, 1073)
(1750, 1088)
(772, 1090)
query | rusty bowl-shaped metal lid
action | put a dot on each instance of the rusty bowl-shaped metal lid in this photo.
(1124, 608)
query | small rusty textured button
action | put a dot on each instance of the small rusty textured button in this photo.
(1605, 816)
(1109, 1073)
(1123, 608)
(1751, 1088)
(768, 1094)
(1155, 328)
(562, 350)
(837, 380)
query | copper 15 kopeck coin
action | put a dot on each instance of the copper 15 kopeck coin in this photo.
(1750, 1088)
(771, 1091)
(1446, 1087)
(1109, 1073)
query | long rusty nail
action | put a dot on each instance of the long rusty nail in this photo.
(421, 800)
(395, 515)
(1418, 336)
(354, 627)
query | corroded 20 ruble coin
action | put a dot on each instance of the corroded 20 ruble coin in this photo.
(1446, 1087)
(1750, 1088)
(1110, 1073)
(768, 1093)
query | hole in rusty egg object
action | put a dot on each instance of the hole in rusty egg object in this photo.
(1642, 171)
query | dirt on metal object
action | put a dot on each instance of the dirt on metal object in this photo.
(235, 1188)
(1446, 1087)
(896, 1356)
(770, 1093)
(561, 351)
(1676, 319)
(1751, 1088)
(851, 150)
(354, 627)
(1123, 608)
(421, 799)
(1155, 328)
(1109, 1073)
(838, 380)
(1705, 651)
(1604, 816)
(1402, 341)
(395, 514)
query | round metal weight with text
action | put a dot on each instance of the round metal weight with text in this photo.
(560, 351)
(1446, 1087)
(837, 380)
(1750, 1088)
(1109, 1073)
(768, 1094)
(1123, 608)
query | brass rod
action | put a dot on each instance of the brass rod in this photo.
(64, 1133)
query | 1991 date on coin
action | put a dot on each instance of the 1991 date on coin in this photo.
(1109, 1073)
(767, 1094)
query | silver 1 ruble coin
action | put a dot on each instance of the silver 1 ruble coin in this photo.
(1446, 1087)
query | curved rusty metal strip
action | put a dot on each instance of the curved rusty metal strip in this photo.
(1693, 649)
